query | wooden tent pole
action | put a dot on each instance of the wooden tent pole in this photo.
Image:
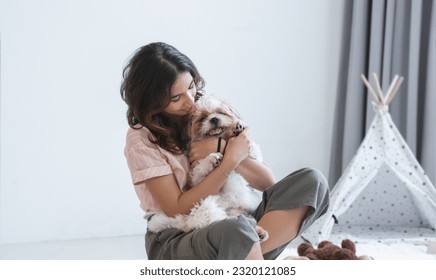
(391, 87)
(368, 86)
(378, 87)
(395, 89)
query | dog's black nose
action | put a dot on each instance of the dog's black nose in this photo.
(214, 121)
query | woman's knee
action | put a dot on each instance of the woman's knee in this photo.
(309, 176)
(318, 178)
(322, 193)
(315, 182)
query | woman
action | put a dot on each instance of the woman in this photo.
(160, 86)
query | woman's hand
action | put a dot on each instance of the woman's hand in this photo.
(257, 174)
(238, 148)
(201, 149)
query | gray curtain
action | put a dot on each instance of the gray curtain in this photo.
(388, 37)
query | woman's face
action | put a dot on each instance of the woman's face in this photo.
(182, 96)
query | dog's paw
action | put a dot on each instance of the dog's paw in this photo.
(203, 167)
(215, 159)
(263, 234)
(238, 129)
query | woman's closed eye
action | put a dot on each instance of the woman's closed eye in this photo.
(176, 98)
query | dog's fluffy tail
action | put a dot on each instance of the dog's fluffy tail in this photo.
(202, 214)
(205, 213)
(161, 221)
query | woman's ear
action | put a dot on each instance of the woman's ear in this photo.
(198, 95)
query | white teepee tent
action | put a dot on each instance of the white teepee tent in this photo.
(383, 193)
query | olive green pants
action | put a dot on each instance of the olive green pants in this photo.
(233, 238)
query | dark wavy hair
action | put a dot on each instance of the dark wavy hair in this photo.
(147, 80)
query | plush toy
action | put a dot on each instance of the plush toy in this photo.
(329, 251)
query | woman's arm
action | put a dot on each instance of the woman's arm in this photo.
(257, 174)
(173, 201)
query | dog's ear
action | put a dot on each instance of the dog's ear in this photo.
(236, 113)
(232, 110)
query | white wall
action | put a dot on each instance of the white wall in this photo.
(63, 172)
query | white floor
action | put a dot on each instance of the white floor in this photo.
(115, 248)
(132, 248)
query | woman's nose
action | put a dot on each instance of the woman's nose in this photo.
(189, 100)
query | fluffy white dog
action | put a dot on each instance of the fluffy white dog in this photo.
(214, 118)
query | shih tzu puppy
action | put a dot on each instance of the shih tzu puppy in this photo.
(215, 118)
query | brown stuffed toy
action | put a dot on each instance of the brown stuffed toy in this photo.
(329, 251)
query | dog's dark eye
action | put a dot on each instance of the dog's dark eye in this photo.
(201, 117)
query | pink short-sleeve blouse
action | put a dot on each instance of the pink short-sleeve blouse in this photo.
(147, 160)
